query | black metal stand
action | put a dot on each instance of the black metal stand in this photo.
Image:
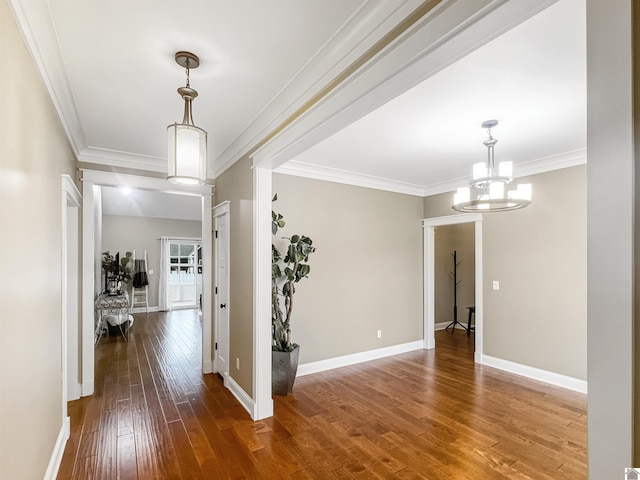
(455, 295)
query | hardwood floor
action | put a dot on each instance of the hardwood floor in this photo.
(420, 415)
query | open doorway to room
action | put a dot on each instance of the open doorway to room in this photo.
(185, 273)
(102, 232)
(449, 239)
(454, 254)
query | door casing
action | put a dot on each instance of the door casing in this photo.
(221, 217)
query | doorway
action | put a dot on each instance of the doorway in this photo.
(221, 215)
(454, 256)
(92, 180)
(430, 225)
(185, 273)
(71, 327)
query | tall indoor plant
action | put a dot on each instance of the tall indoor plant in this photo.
(286, 272)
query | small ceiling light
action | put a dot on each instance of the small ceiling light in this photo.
(187, 142)
(486, 191)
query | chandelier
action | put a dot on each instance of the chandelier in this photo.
(187, 153)
(486, 191)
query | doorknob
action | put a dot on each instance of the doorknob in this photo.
(223, 305)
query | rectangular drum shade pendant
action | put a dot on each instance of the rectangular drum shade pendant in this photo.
(187, 143)
(187, 154)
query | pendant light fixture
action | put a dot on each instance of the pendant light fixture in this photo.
(187, 142)
(487, 190)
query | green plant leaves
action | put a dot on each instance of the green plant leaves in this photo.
(285, 273)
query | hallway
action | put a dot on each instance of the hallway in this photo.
(424, 414)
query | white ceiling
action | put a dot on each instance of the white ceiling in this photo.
(150, 204)
(532, 79)
(110, 69)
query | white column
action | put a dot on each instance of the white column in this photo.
(610, 236)
(262, 293)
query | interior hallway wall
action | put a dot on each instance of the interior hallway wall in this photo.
(34, 152)
(366, 274)
(236, 185)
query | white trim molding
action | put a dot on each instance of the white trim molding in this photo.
(534, 373)
(262, 191)
(335, 175)
(243, 397)
(318, 172)
(354, 358)
(92, 181)
(114, 158)
(429, 225)
(58, 450)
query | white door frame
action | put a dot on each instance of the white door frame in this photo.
(70, 331)
(223, 343)
(430, 225)
(183, 241)
(91, 178)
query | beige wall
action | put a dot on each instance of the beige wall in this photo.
(144, 234)
(366, 274)
(461, 239)
(538, 254)
(236, 186)
(33, 153)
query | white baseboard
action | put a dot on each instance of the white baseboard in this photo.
(245, 400)
(352, 359)
(58, 450)
(545, 376)
(440, 326)
(87, 388)
(207, 366)
(144, 310)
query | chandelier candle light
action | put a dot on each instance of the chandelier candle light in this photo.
(187, 142)
(486, 191)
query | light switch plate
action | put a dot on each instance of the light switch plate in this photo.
(496, 285)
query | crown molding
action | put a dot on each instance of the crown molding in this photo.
(446, 33)
(553, 162)
(348, 178)
(533, 167)
(33, 18)
(115, 158)
(568, 159)
(368, 25)
(114, 179)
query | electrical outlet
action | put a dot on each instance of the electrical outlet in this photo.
(237, 363)
(150, 272)
(496, 285)
(379, 333)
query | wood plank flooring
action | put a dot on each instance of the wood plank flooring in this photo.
(420, 415)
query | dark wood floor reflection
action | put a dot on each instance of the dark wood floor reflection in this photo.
(420, 415)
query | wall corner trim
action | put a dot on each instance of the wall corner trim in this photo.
(552, 378)
(58, 450)
(243, 397)
(360, 357)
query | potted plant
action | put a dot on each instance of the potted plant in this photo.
(286, 272)
(116, 271)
